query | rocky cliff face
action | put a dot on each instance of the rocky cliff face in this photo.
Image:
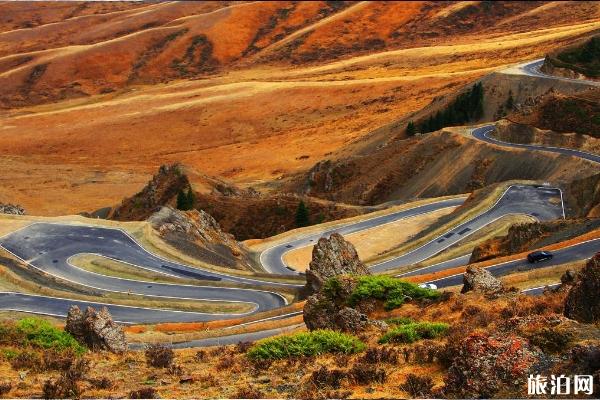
(198, 234)
(582, 302)
(161, 190)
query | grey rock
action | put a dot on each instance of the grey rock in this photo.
(96, 329)
(331, 257)
(480, 280)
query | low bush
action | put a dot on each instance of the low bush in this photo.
(410, 333)
(418, 386)
(27, 360)
(393, 292)
(36, 332)
(58, 360)
(249, 392)
(367, 374)
(377, 355)
(226, 362)
(67, 386)
(327, 378)
(5, 387)
(101, 383)
(159, 356)
(144, 393)
(305, 344)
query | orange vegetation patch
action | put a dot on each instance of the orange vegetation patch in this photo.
(135, 329)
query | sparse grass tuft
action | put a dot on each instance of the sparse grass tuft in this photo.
(305, 344)
(394, 292)
(412, 332)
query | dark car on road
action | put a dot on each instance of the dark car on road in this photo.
(539, 256)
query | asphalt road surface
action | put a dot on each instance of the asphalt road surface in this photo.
(483, 133)
(532, 68)
(272, 258)
(49, 247)
(543, 203)
(581, 251)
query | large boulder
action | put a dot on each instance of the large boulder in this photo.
(328, 308)
(583, 303)
(480, 280)
(484, 366)
(96, 329)
(331, 257)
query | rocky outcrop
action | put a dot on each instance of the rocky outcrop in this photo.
(480, 280)
(334, 257)
(549, 67)
(329, 310)
(11, 209)
(568, 278)
(331, 257)
(197, 233)
(161, 190)
(583, 303)
(96, 329)
(485, 365)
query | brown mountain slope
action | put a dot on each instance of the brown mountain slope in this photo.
(440, 163)
(127, 89)
(70, 53)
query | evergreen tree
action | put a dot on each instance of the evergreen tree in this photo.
(302, 217)
(190, 199)
(510, 102)
(411, 129)
(181, 200)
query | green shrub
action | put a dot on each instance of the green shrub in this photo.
(39, 333)
(411, 332)
(305, 344)
(394, 292)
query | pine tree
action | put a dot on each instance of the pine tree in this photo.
(510, 102)
(411, 129)
(190, 199)
(181, 200)
(302, 217)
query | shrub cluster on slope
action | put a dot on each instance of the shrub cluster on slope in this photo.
(465, 108)
(306, 344)
(413, 331)
(393, 292)
(37, 333)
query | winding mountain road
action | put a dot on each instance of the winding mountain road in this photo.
(483, 133)
(49, 247)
